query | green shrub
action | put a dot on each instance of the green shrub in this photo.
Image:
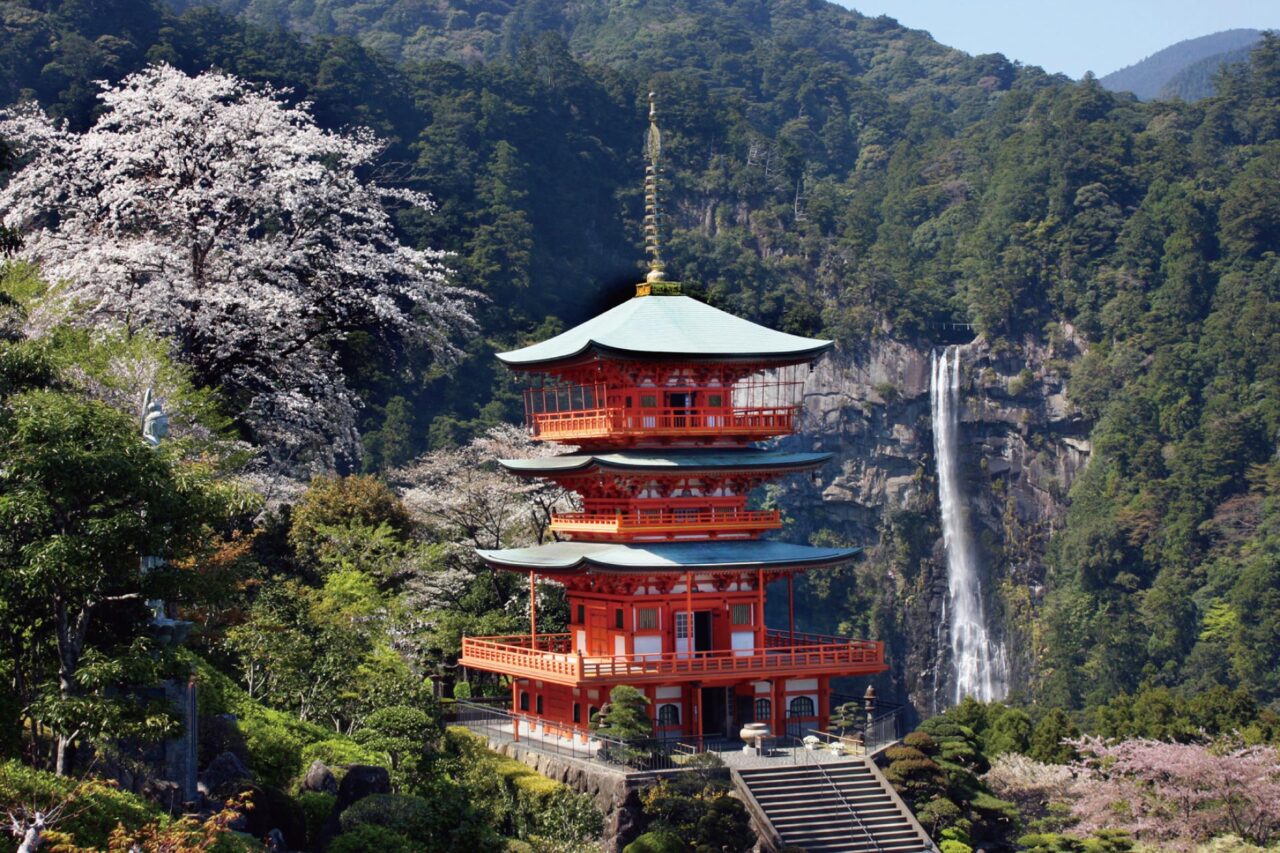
(339, 752)
(920, 741)
(316, 807)
(950, 846)
(370, 837)
(656, 842)
(444, 818)
(99, 807)
(275, 753)
(515, 845)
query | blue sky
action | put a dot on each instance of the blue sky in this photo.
(1072, 37)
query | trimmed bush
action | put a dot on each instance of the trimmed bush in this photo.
(656, 842)
(369, 837)
(340, 752)
(316, 807)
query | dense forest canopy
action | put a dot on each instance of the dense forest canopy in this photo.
(864, 184)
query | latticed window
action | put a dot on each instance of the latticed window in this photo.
(647, 619)
(742, 614)
(669, 715)
(682, 625)
(764, 710)
(524, 700)
(801, 706)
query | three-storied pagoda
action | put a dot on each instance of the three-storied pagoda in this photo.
(664, 567)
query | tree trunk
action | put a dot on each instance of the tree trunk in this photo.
(70, 648)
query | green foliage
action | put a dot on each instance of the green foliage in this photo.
(624, 716)
(95, 807)
(316, 807)
(369, 836)
(514, 798)
(407, 735)
(337, 752)
(360, 501)
(280, 746)
(443, 819)
(657, 842)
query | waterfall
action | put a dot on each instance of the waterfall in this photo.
(977, 661)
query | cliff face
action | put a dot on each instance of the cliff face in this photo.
(1023, 445)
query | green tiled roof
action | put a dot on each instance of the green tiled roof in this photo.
(649, 326)
(618, 558)
(641, 460)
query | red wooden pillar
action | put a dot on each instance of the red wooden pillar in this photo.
(791, 607)
(696, 687)
(688, 611)
(533, 611)
(778, 723)
(515, 709)
(764, 631)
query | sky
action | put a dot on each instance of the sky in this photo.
(1072, 36)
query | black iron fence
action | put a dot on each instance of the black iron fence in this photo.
(641, 755)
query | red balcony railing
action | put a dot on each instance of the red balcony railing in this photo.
(709, 523)
(551, 657)
(759, 422)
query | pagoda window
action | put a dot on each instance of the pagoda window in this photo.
(577, 713)
(582, 614)
(617, 618)
(647, 619)
(524, 700)
(763, 710)
(669, 715)
(538, 705)
(741, 614)
(801, 706)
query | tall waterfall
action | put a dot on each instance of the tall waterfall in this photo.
(978, 662)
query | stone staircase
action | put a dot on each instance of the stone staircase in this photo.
(834, 807)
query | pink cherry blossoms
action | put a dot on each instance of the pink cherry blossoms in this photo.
(1177, 795)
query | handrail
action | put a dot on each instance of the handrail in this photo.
(804, 753)
(693, 419)
(551, 654)
(665, 519)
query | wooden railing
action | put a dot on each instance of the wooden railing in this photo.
(670, 522)
(550, 657)
(613, 421)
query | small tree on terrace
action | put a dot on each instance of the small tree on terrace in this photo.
(223, 219)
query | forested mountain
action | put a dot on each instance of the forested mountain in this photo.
(1184, 70)
(826, 174)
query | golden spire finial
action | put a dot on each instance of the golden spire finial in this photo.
(653, 152)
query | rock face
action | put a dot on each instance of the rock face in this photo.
(616, 795)
(320, 779)
(1025, 443)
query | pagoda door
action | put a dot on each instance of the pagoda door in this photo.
(597, 632)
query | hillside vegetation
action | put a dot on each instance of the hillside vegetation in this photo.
(826, 174)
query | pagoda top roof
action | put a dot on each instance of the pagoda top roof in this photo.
(674, 326)
(746, 459)
(663, 557)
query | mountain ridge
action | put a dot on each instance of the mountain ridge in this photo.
(1149, 78)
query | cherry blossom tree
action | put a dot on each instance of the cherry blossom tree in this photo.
(1177, 795)
(221, 217)
(1030, 784)
(465, 489)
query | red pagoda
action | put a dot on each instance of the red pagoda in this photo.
(664, 567)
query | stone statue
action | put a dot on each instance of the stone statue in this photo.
(155, 423)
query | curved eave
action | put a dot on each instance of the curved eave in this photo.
(571, 558)
(655, 328)
(594, 350)
(689, 463)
